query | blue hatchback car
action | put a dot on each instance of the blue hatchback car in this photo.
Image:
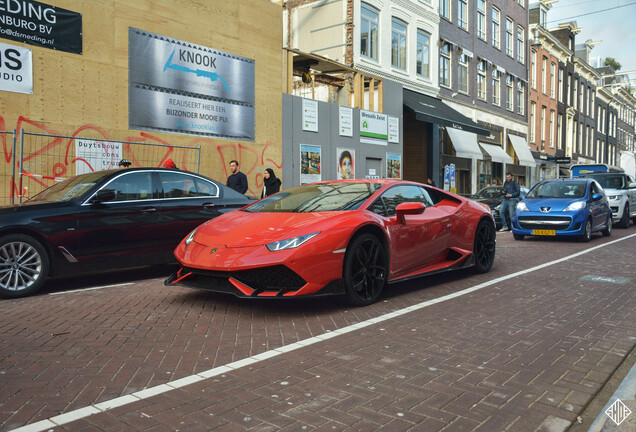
(563, 207)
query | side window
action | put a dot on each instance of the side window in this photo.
(202, 188)
(131, 187)
(595, 189)
(388, 201)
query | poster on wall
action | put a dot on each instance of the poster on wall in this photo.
(41, 24)
(394, 130)
(393, 166)
(180, 87)
(16, 69)
(373, 127)
(346, 160)
(345, 124)
(310, 115)
(309, 163)
(91, 155)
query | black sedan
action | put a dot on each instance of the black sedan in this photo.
(493, 196)
(105, 220)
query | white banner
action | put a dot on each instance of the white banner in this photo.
(16, 69)
(93, 155)
(373, 127)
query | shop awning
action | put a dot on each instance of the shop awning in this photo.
(522, 150)
(465, 144)
(496, 153)
(433, 110)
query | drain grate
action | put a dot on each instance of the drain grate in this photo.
(606, 279)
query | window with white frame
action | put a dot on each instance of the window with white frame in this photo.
(398, 43)
(586, 142)
(510, 93)
(462, 74)
(496, 23)
(533, 109)
(444, 64)
(575, 94)
(423, 54)
(533, 69)
(369, 32)
(521, 37)
(521, 97)
(569, 89)
(543, 120)
(580, 102)
(444, 9)
(496, 87)
(551, 139)
(579, 142)
(510, 25)
(544, 76)
(462, 14)
(559, 131)
(552, 78)
(482, 67)
(481, 19)
(560, 85)
(590, 140)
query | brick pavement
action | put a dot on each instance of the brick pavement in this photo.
(524, 354)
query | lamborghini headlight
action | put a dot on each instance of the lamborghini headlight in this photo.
(190, 237)
(290, 243)
(577, 205)
(521, 206)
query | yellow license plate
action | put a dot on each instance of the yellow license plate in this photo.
(543, 232)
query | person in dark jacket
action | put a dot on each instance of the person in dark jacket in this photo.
(271, 183)
(511, 192)
(237, 180)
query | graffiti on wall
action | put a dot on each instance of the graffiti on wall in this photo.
(58, 152)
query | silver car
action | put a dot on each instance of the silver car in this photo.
(621, 195)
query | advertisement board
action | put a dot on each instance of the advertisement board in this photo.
(16, 69)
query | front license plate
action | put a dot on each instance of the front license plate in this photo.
(544, 232)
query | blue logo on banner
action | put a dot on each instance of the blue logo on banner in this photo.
(199, 72)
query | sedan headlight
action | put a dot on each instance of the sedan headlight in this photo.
(614, 197)
(521, 206)
(290, 243)
(190, 237)
(577, 205)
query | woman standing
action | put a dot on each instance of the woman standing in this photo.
(271, 183)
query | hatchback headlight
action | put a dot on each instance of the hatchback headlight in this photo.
(577, 205)
(521, 206)
(290, 243)
(190, 237)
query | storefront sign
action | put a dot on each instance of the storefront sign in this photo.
(373, 126)
(93, 155)
(496, 133)
(16, 69)
(177, 86)
(41, 24)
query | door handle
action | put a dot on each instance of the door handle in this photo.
(208, 205)
(149, 210)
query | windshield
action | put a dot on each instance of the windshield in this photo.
(70, 188)
(561, 189)
(611, 181)
(316, 198)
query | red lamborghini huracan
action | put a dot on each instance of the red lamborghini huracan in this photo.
(347, 237)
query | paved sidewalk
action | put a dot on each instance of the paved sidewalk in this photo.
(523, 353)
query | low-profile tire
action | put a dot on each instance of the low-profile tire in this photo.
(624, 222)
(24, 265)
(484, 246)
(365, 270)
(608, 228)
(587, 233)
(519, 236)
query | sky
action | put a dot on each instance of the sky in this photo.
(611, 21)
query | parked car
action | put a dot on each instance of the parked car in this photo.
(493, 196)
(566, 207)
(621, 194)
(105, 220)
(348, 237)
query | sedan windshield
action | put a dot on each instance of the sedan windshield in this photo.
(70, 188)
(561, 189)
(316, 197)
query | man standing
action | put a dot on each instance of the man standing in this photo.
(237, 180)
(511, 192)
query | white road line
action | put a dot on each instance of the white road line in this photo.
(163, 388)
(91, 289)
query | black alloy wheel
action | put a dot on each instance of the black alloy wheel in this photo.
(608, 226)
(365, 270)
(24, 265)
(587, 234)
(624, 222)
(519, 236)
(484, 246)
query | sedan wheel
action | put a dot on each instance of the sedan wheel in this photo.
(484, 246)
(365, 270)
(587, 234)
(624, 222)
(23, 266)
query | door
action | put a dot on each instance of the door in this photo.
(598, 207)
(373, 167)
